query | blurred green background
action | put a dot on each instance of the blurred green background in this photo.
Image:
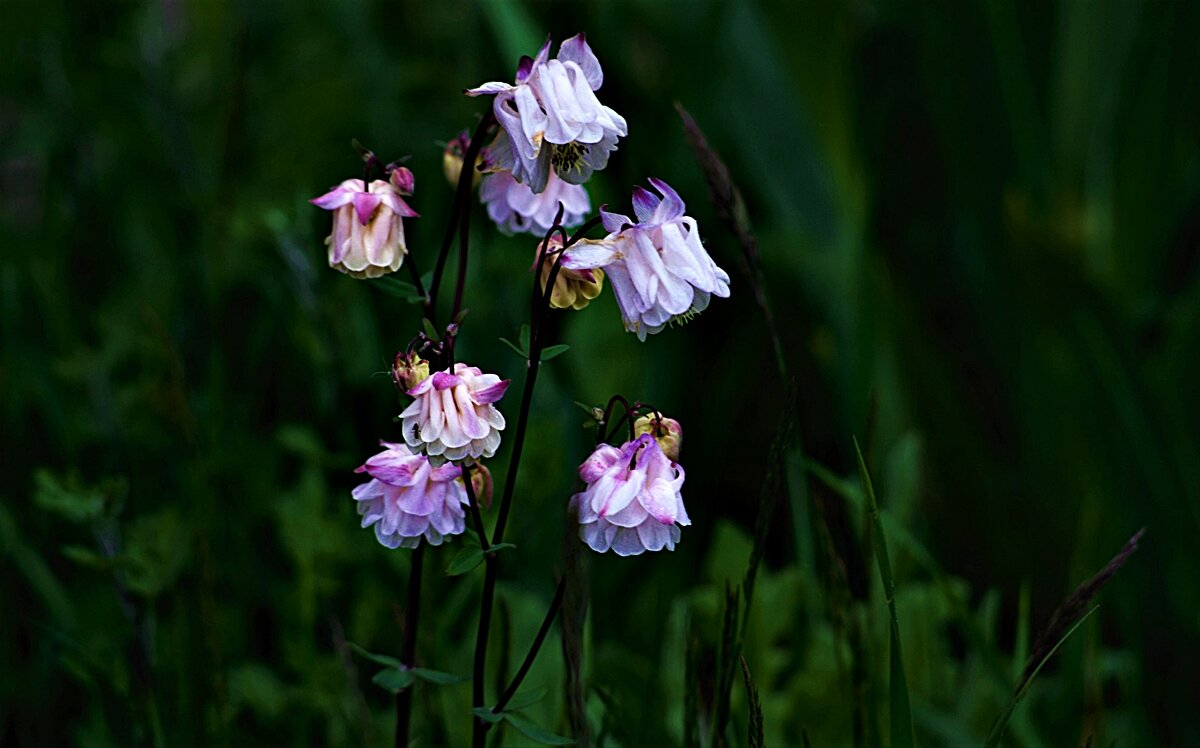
(981, 230)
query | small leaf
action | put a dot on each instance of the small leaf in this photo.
(524, 337)
(398, 289)
(487, 715)
(67, 499)
(528, 698)
(467, 558)
(530, 730)
(393, 679)
(554, 351)
(86, 557)
(471, 556)
(378, 659)
(430, 330)
(438, 677)
(516, 348)
(458, 318)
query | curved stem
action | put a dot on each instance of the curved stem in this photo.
(462, 196)
(409, 648)
(551, 614)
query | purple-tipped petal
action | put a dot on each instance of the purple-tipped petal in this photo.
(576, 50)
(672, 206)
(644, 204)
(491, 394)
(444, 381)
(365, 204)
(334, 199)
(523, 68)
(613, 222)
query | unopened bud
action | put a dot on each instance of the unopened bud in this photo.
(409, 370)
(403, 180)
(452, 160)
(573, 289)
(481, 484)
(666, 431)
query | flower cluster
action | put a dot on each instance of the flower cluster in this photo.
(452, 415)
(408, 498)
(550, 118)
(659, 270)
(367, 240)
(632, 502)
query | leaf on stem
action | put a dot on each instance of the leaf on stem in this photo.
(530, 729)
(430, 330)
(397, 289)
(554, 351)
(393, 679)
(438, 677)
(470, 556)
(516, 348)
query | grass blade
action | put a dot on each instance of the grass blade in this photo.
(754, 723)
(901, 712)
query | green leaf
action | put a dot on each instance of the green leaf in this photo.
(901, 712)
(554, 351)
(523, 336)
(487, 715)
(998, 729)
(397, 289)
(468, 557)
(438, 677)
(528, 698)
(393, 679)
(67, 499)
(516, 348)
(86, 557)
(378, 659)
(430, 330)
(529, 729)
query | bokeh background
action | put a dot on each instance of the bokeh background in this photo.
(980, 224)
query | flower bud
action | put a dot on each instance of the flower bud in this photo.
(403, 180)
(452, 160)
(409, 370)
(666, 431)
(481, 484)
(573, 289)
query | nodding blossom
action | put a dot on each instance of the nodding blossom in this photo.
(657, 266)
(551, 118)
(452, 159)
(573, 289)
(517, 209)
(452, 415)
(632, 502)
(367, 240)
(408, 498)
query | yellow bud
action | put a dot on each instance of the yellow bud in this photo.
(452, 160)
(573, 289)
(409, 370)
(666, 431)
(481, 484)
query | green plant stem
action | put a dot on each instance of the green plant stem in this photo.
(538, 640)
(408, 649)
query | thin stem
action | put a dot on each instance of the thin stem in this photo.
(462, 196)
(479, 729)
(416, 274)
(408, 649)
(551, 614)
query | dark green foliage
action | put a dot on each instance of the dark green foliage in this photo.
(985, 214)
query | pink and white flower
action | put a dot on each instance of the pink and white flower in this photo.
(452, 415)
(408, 498)
(517, 209)
(367, 240)
(632, 502)
(657, 266)
(551, 118)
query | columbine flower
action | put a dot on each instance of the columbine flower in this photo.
(409, 370)
(666, 431)
(453, 416)
(551, 118)
(517, 209)
(452, 160)
(632, 502)
(408, 498)
(573, 289)
(367, 240)
(657, 266)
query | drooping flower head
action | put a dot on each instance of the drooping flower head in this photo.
(658, 268)
(573, 289)
(452, 415)
(408, 498)
(632, 502)
(452, 159)
(551, 118)
(367, 240)
(517, 209)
